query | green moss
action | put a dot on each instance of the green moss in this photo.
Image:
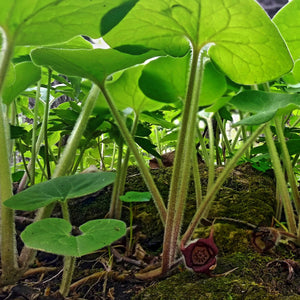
(251, 278)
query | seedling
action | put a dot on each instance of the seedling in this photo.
(55, 235)
(134, 197)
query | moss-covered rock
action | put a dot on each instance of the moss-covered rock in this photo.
(246, 275)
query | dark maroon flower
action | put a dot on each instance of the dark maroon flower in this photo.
(201, 255)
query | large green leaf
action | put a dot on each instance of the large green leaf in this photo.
(40, 22)
(26, 74)
(264, 105)
(59, 189)
(245, 44)
(94, 64)
(54, 236)
(164, 79)
(288, 22)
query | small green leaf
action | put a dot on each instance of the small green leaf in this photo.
(26, 74)
(17, 132)
(264, 105)
(133, 196)
(243, 41)
(59, 189)
(54, 236)
(147, 146)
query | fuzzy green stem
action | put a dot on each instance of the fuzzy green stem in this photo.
(46, 115)
(280, 181)
(69, 267)
(197, 180)
(287, 164)
(244, 134)
(211, 162)
(212, 192)
(182, 163)
(116, 187)
(140, 161)
(118, 205)
(223, 131)
(130, 227)
(8, 247)
(34, 138)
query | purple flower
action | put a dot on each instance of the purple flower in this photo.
(201, 255)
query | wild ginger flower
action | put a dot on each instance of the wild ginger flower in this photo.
(201, 255)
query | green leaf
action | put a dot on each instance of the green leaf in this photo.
(293, 146)
(157, 119)
(264, 105)
(36, 22)
(133, 196)
(54, 236)
(59, 189)
(126, 92)
(243, 41)
(26, 74)
(164, 79)
(95, 64)
(288, 23)
(17, 131)
(147, 146)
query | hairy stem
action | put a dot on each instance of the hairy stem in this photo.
(140, 161)
(280, 181)
(287, 163)
(34, 138)
(8, 247)
(212, 192)
(182, 163)
(69, 266)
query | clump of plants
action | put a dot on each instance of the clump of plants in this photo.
(171, 75)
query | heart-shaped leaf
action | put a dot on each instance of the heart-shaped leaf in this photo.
(164, 79)
(133, 196)
(264, 105)
(26, 74)
(95, 64)
(36, 22)
(54, 236)
(243, 41)
(59, 189)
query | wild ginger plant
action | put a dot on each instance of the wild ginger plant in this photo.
(194, 38)
(239, 39)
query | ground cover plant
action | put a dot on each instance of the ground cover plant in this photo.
(155, 83)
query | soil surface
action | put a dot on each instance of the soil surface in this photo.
(246, 268)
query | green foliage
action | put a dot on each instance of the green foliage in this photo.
(60, 189)
(54, 236)
(133, 196)
(264, 105)
(241, 36)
